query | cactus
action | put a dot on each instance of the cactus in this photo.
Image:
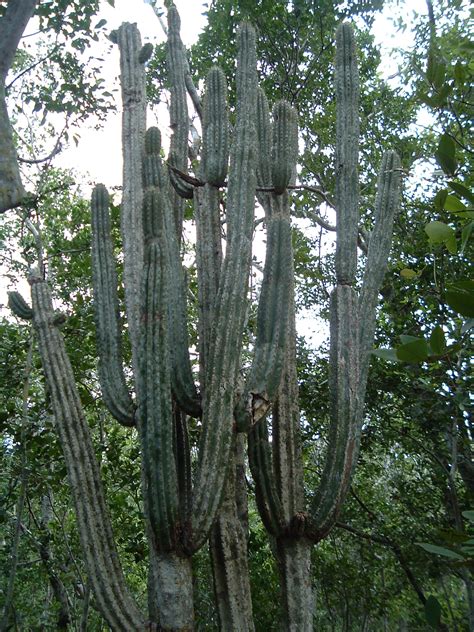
(19, 306)
(182, 513)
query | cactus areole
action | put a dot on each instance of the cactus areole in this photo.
(161, 388)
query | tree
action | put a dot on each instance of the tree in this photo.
(178, 524)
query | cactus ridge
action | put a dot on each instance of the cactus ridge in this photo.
(19, 306)
(264, 133)
(215, 149)
(111, 376)
(284, 146)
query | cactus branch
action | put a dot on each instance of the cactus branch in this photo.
(95, 531)
(114, 388)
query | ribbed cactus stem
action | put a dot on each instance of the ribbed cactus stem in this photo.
(179, 121)
(284, 146)
(111, 376)
(215, 148)
(231, 302)
(155, 406)
(19, 306)
(95, 531)
(347, 152)
(132, 76)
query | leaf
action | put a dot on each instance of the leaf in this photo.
(436, 68)
(415, 351)
(460, 297)
(454, 204)
(406, 273)
(405, 339)
(100, 23)
(463, 191)
(386, 354)
(433, 612)
(440, 550)
(439, 199)
(438, 232)
(451, 244)
(466, 234)
(438, 340)
(446, 154)
(469, 515)
(469, 324)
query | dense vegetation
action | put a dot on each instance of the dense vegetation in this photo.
(400, 556)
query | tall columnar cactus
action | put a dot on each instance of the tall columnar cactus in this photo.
(180, 513)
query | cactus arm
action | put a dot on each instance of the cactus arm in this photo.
(179, 120)
(272, 316)
(114, 388)
(156, 427)
(19, 306)
(182, 381)
(215, 141)
(386, 206)
(231, 300)
(95, 530)
(347, 152)
(132, 74)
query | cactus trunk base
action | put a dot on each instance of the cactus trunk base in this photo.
(294, 567)
(174, 592)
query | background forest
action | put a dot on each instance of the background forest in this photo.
(400, 556)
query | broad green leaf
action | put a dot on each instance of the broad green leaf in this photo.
(463, 191)
(433, 612)
(466, 234)
(405, 339)
(438, 232)
(415, 351)
(386, 354)
(436, 69)
(406, 273)
(452, 244)
(439, 199)
(469, 514)
(438, 340)
(100, 23)
(446, 154)
(440, 550)
(469, 324)
(452, 203)
(460, 297)
(459, 73)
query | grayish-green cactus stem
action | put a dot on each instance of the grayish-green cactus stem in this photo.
(132, 76)
(107, 317)
(221, 378)
(182, 380)
(347, 153)
(155, 407)
(19, 306)
(264, 132)
(215, 138)
(284, 146)
(179, 121)
(95, 531)
(273, 307)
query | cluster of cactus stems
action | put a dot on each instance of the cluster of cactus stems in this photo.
(182, 513)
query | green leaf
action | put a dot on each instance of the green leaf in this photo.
(467, 325)
(463, 191)
(433, 612)
(460, 297)
(469, 515)
(100, 23)
(459, 73)
(454, 204)
(452, 244)
(415, 351)
(438, 232)
(439, 199)
(436, 69)
(386, 354)
(406, 273)
(446, 154)
(466, 234)
(406, 339)
(440, 550)
(438, 340)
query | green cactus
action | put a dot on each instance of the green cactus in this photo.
(19, 306)
(181, 513)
